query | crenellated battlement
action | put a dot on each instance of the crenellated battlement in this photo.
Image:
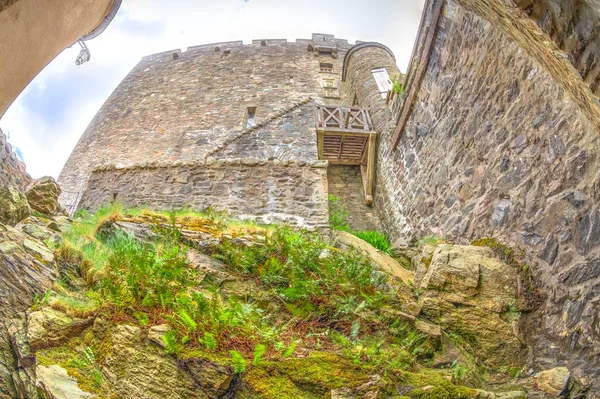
(318, 40)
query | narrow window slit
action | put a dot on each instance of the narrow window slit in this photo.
(250, 117)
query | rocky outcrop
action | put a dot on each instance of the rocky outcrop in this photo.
(13, 205)
(136, 369)
(468, 291)
(27, 271)
(461, 303)
(43, 194)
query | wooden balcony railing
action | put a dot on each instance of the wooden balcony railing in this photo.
(348, 119)
(345, 136)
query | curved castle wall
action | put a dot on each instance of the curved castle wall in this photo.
(192, 108)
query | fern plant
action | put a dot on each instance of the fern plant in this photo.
(209, 341)
(259, 351)
(237, 361)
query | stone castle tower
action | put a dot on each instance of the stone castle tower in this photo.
(233, 126)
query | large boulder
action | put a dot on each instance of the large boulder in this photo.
(48, 328)
(43, 194)
(136, 369)
(13, 205)
(53, 382)
(554, 381)
(469, 292)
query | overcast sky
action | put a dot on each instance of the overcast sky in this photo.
(46, 120)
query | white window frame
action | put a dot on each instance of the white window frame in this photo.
(382, 78)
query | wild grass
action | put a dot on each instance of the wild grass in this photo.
(338, 220)
(313, 295)
(377, 240)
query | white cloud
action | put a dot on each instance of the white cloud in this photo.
(47, 119)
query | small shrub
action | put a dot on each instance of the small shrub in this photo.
(397, 86)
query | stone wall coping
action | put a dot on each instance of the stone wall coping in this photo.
(214, 163)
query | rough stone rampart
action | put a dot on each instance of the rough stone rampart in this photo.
(575, 28)
(502, 141)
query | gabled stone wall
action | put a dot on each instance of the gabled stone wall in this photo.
(503, 141)
(184, 106)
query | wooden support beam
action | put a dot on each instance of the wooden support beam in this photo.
(368, 170)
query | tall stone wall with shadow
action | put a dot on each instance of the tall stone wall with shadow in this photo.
(184, 106)
(502, 140)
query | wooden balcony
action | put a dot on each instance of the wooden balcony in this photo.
(345, 136)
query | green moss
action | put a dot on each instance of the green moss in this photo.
(311, 377)
(442, 387)
(427, 262)
(72, 357)
(431, 240)
(60, 355)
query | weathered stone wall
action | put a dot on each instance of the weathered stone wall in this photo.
(290, 136)
(12, 170)
(575, 28)
(185, 106)
(502, 141)
(345, 183)
(269, 191)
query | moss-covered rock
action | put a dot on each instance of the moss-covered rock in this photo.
(470, 293)
(13, 205)
(310, 377)
(48, 328)
(53, 382)
(137, 369)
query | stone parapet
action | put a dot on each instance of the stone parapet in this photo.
(293, 192)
